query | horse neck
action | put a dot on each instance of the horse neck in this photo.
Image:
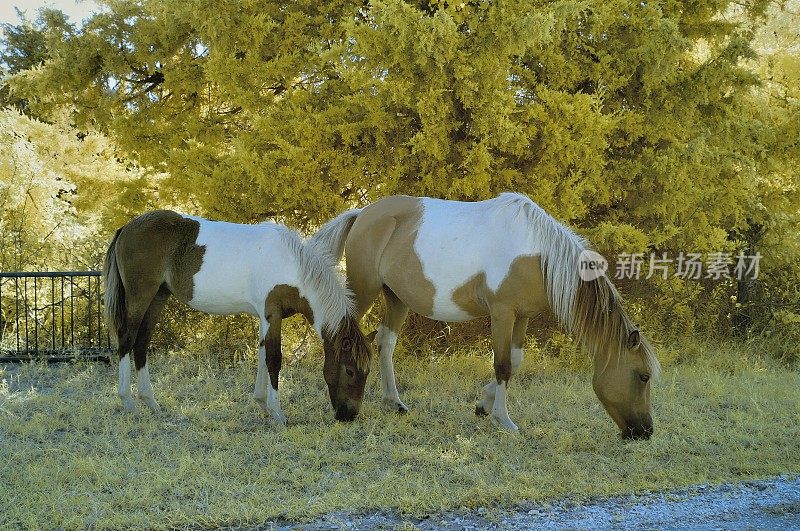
(318, 280)
(328, 317)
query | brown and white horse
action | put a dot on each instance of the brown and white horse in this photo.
(264, 270)
(505, 258)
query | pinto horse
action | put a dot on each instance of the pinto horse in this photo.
(505, 258)
(264, 270)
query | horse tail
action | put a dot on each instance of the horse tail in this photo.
(330, 238)
(114, 297)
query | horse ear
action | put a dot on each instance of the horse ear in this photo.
(371, 336)
(634, 340)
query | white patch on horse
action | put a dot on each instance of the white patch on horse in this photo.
(262, 374)
(387, 341)
(241, 264)
(124, 390)
(516, 360)
(145, 389)
(456, 241)
(242, 261)
(500, 409)
(274, 405)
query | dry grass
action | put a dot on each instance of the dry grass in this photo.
(72, 459)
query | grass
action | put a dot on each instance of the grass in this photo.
(71, 459)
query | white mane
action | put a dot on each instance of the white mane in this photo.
(592, 311)
(560, 251)
(318, 271)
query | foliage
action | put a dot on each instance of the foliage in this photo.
(211, 459)
(59, 190)
(651, 127)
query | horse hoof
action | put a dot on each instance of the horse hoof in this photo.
(152, 404)
(479, 411)
(393, 404)
(505, 424)
(128, 406)
(278, 419)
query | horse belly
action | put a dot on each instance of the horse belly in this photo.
(450, 312)
(220, 304)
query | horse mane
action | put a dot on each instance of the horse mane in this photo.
(590, 310)
(319, 271)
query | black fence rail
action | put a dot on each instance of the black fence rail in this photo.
(52, 316)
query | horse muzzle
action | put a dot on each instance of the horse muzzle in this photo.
(345, 413)
(639, 429)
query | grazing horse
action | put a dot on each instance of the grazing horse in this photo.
(264, 270)
(505, 258)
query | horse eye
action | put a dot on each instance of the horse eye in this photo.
(644, 377)
(346, 344)
(350, 372)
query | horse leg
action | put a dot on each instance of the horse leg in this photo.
(124, 389)
(269, 363)
(139, 296)
(260, 391)
(486, 404)
(126, 336)
(396, 312)
(143, 386)
(502, 330)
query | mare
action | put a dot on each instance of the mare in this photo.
(505, 258)
(265, 270)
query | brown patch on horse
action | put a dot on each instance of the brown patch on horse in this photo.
(380, 251)
(160, 247)
(522, 289)
(284, 301)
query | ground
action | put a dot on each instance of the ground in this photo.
(768, 504)
(210, 458)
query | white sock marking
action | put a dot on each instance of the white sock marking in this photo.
(143, 385)
(260, 391)
(124, 389)
(145, 389)
(500, 409)
(516, 360)
(387, 341)
(125, 377)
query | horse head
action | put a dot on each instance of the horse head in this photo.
(347, 362)
(624, 362)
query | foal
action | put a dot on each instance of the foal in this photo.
(264, 270)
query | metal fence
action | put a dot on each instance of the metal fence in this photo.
(52, 316)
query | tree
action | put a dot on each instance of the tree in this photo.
(25, 46)
(58, 193)
(639, 123)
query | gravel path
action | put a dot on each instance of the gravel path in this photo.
(769, 504)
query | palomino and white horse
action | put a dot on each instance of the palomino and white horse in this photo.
(264, 270)
(505, 258)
